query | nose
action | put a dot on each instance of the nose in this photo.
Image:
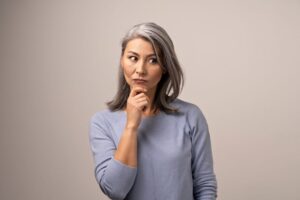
(140, 68)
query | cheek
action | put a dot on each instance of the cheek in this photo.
(128, 70)
(157, 76)
(127, 73)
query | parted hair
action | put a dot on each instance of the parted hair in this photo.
(171, 83)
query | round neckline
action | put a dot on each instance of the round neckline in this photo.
(123, 112)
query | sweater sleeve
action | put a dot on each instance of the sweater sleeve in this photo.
(114, 178)
(204, 179)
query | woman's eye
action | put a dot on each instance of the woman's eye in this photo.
(132, 58)
(153, 60)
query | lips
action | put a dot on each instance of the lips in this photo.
(139, 81)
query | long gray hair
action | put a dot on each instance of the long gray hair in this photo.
(171, 82)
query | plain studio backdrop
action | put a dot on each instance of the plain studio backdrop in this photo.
(59, 65)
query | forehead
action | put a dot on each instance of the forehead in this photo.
(140, 45)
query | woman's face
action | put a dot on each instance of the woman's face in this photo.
(140, 65)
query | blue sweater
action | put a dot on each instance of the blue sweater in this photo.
(174, 156)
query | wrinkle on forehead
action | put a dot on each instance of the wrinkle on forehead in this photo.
(140, 46)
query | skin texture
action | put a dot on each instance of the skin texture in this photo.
(142, 73)
(139, 62)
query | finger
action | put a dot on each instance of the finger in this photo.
(140, 95)
(142, 99)
(143, 96)
(137, 90)
(148, 99)
(142, 105)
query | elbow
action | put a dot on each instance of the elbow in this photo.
(206, 188)
(116, 180)
(112, 192)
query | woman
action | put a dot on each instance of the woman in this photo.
(149, 144)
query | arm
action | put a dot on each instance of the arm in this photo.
(115, 168)
(204, 179)
(114, 177)
(127, 148)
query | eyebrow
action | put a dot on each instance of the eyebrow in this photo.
(153, 54)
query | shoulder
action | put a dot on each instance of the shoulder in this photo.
(186, 108)
(193, 114)
(102, 122)
(105, 115)
(100, 114)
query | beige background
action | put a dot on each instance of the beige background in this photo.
(59, 62)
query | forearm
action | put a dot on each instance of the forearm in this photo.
(127, 148)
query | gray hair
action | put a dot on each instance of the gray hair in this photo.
(171, 82)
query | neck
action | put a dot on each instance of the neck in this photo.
(150, 109)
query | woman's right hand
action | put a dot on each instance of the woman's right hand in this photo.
(136, 103)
